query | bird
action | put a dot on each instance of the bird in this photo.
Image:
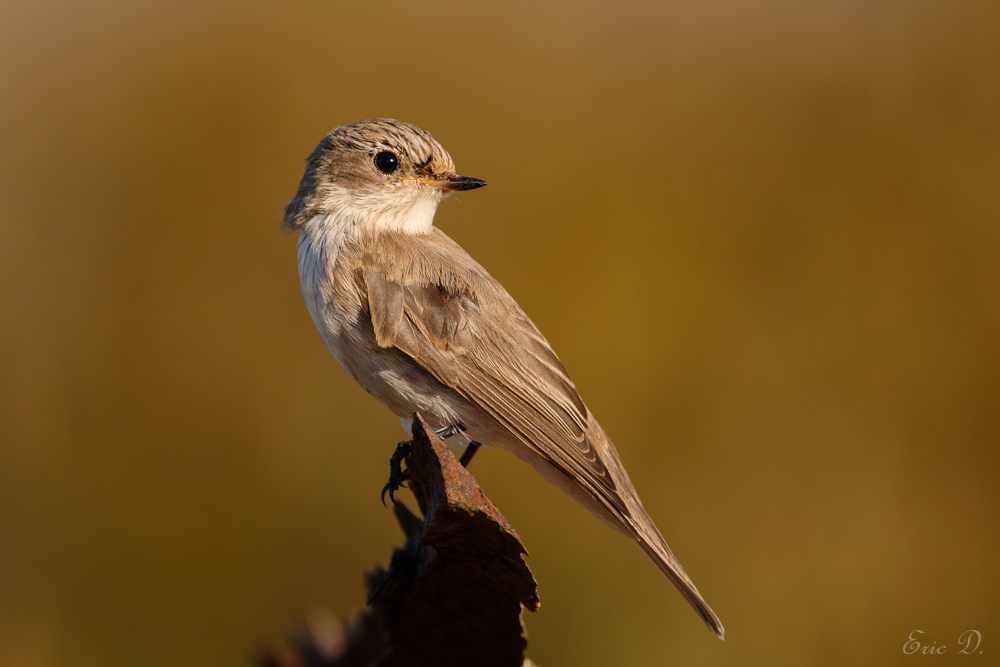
(421, 326)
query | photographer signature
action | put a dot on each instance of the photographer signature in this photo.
(913, 645)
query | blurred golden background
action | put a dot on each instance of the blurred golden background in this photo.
(790, 209)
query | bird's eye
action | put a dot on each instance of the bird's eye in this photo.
(387, 162)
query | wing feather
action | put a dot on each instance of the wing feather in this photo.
(480, 343)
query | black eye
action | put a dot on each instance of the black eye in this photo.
(386, 162)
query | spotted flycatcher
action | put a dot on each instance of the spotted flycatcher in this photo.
(423, 328)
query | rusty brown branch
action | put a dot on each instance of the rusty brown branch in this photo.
(452, 595)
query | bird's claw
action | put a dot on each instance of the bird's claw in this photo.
(397, 476)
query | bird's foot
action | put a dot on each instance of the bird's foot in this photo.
(397, 476)
(469, 452)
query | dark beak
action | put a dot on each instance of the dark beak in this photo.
(463, 183)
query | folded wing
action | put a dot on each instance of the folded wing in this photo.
(480, 343)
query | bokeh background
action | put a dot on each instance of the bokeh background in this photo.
(763, 236)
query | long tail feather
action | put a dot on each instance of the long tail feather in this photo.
(656, 548)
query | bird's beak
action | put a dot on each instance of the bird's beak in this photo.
(463, 183)
(451, 183)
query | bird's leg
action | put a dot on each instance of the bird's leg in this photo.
(449, 431)
(469, 452)
(396, 474)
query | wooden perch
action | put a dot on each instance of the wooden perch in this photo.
(452, 595)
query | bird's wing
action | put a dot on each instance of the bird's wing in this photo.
(472, 336)
(429, 299)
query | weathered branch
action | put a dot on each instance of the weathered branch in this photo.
(452, 595)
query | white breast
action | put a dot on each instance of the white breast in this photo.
(394, 379)
(319, 244)
(322, 237)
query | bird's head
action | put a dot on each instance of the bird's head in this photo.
(378, 172)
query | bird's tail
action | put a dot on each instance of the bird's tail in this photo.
(635, 521)
(656, 548)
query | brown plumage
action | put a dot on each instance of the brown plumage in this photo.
(423, 327)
